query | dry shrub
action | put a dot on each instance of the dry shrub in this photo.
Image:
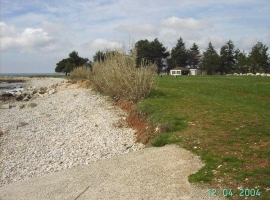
(120, 78)
(81, 72)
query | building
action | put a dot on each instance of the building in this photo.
(184, 71)
(179, 71)
(195, 72)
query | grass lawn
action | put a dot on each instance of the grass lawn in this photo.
(225, 120)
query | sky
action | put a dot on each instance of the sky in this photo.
(36, 34)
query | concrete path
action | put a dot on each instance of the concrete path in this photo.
(151, 173)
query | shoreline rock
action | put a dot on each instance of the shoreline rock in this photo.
(30, 91)
(5, 106)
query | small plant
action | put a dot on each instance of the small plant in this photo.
(119, 77)
(163, 139)
(81, 72)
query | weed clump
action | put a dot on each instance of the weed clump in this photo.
(119, 77)
(81, 72)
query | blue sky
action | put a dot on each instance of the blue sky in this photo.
(36, 34)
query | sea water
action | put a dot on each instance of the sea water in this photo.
(10, 87)
(6, 87)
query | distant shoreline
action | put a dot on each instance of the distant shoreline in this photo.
(31, 74)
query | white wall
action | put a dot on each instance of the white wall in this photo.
(175, 72)
(195, 72)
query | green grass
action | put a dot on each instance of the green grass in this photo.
(225, 120)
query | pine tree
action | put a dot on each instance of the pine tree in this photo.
(179, 54)
(241, 61)
(194, 56)
(152, 52)
(227, 57)
(210, 60)
(259, 58)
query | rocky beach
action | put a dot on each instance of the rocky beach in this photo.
(53, 124)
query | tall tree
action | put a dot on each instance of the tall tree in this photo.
(179, 54)
(227, 57)
(194, 56)
(210, 60)
(61, 65)
(152, 52)
(241, 61)
(68, 64)
(143, 50)
(76, 60)
(259, 58)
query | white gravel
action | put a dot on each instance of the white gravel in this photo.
(72, 127)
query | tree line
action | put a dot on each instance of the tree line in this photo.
(228, 60)
(231, 60)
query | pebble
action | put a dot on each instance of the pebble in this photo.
(70, 128)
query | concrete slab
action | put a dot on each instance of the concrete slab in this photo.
(151, 173)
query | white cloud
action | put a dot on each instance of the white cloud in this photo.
(145, 29)
(187, 24)
(6, 30)
(102, 44)
(29, 40)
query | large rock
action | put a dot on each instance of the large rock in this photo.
(52, 91)
(18, 93)
(5, 106)
(31, 92)
(36, 95)
(19, 97)
(35, 89)
(21, 106)
(20, 124)
(6, 97)
(42, 90)
(25, 93)
(31, 105)
(53, 85)
(27, 98)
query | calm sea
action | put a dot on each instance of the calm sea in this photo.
(32, 74)
(15, 86)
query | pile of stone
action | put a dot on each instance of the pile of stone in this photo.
(33, 92)
(70, 128)
(33, 89)
(21, 106)
(248, 74)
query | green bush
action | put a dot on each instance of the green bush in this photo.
(81, 72)
(120, 78)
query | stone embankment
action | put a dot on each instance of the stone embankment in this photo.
(55, 125)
